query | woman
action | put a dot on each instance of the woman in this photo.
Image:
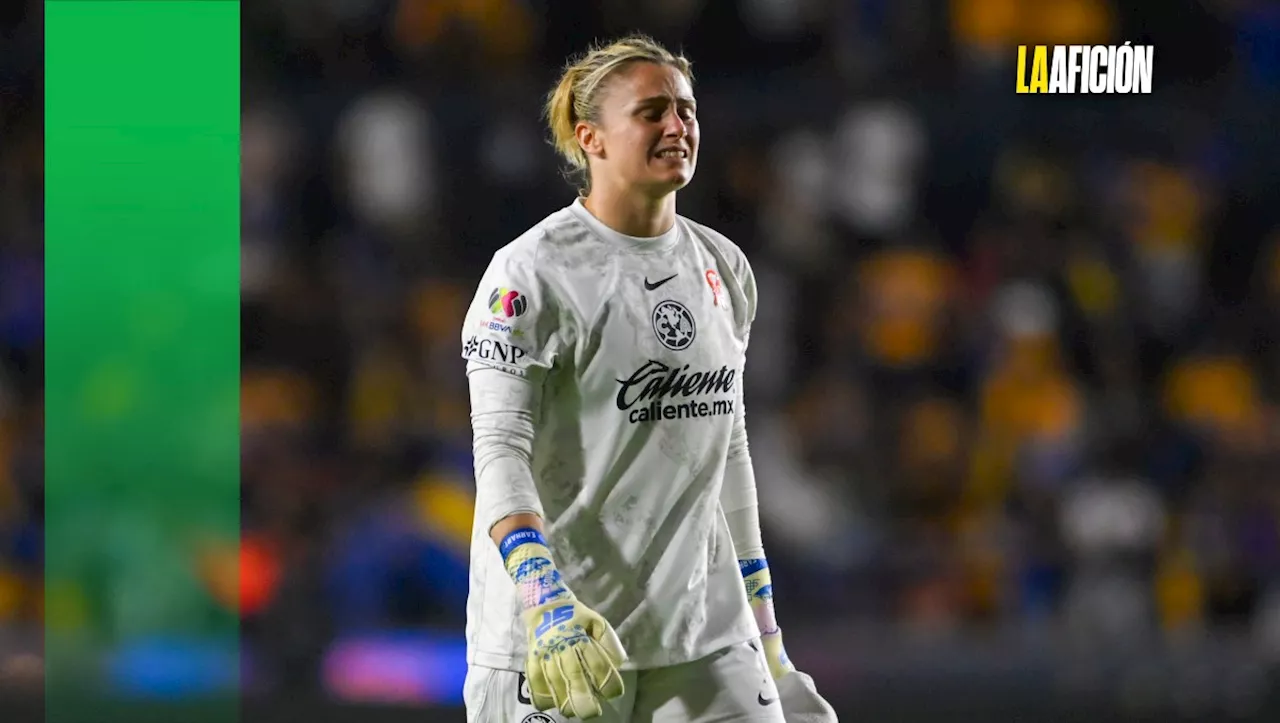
(616, 529)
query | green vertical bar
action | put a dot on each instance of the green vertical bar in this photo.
(142, 341)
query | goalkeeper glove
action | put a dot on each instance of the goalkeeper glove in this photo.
(755, 577)
(800, 700)
(574, 653)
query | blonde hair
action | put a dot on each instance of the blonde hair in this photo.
(576, 97)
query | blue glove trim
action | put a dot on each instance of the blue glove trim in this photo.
(520, 537)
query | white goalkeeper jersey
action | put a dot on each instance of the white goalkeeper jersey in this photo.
(637, 347)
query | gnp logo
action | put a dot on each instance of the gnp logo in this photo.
(656, 391)
(507, 302)
(493, 350)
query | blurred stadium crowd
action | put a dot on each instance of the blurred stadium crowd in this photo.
(21, 320)
(1014, 363)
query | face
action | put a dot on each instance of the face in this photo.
(647, 137)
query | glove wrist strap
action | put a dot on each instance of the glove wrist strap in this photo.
(528, 561)
(759, 585)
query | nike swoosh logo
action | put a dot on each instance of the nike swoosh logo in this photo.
(651, 286)
(765, 701)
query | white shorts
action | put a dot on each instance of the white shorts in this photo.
(732, 685)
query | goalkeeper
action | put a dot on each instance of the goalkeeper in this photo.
(617, 571)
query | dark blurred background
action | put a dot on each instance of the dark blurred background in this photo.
(1014, 394)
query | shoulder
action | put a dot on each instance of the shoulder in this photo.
(734, 268)
(552, 249)
(734, 259)
(521, 315)
(522, 253)
(558, 263)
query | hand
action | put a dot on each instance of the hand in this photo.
(573, 660)
(574, 653)
(800, 700)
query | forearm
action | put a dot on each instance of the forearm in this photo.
(742, 513)
(741, 507)
(744, 526)
(502, 418)
(507, 505)
(738, 496)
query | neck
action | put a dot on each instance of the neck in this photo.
(631, 213)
